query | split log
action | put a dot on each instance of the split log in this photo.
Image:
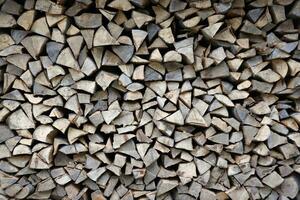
(149, 99)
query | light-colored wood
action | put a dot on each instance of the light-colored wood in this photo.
(149, 99)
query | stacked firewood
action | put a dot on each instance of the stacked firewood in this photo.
(149, 99)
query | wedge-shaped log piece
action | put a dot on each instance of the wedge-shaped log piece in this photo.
(224, 100)
(44, 133)
(185, 47)
(37, 163)
(165, 185)
(12, 7)
(67, 59)
(7, 20)
(125, 52)
(273, 180)
(26, 19)
(175, 118)
(34, 44)
(85, 85)
(8, 81)
(13, 95)
(53, 19)
(152, 75)
(104, 38)
(96, 173)
(19, 120)
(172, 56)
(88, 35)
(129, 149)
(88, 66)
(250, 28)
(6, 133)
(21, 150)
(6, 41)
(110, 115)
(138, 37)
(74, 134)
(39, 89)
(46, 154)
(221, 138)
(219, 71)
(73, 104)
(55, 71)
(120, 139)
(211, 30)
(276, 140)
(156, 56)
(75, 43)
(19, 60)
(202, 166)
(123, 5)
(111, 59)
(260, 108)
(88, 20)
(195, 118)
(61, 124)
(4, 151)
(25, 191)
(166, 35)
(269, 76)
(225, 35)
(40, 26)
(236, 193)
(187, 170)
(263, 133)
(289, 150)
(151, 156)
(104, 79)
(290, 186)
(140, 18)
(218, 55)
(53, 49)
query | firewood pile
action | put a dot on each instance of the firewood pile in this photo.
(149, 99)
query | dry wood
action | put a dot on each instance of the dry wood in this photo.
(149, 99)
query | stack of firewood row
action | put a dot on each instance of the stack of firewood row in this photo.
(149, 99)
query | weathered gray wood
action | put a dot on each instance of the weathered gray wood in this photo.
(149, 99)
(7, 20)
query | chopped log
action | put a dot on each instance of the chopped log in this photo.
(17, 116)
(149, 99)
(103, 38)
(273, 180)
(140, 18)
(166, 35)
(67, 59)
(7, 20)
(26, 19)
(88, 20)
(165, 186)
